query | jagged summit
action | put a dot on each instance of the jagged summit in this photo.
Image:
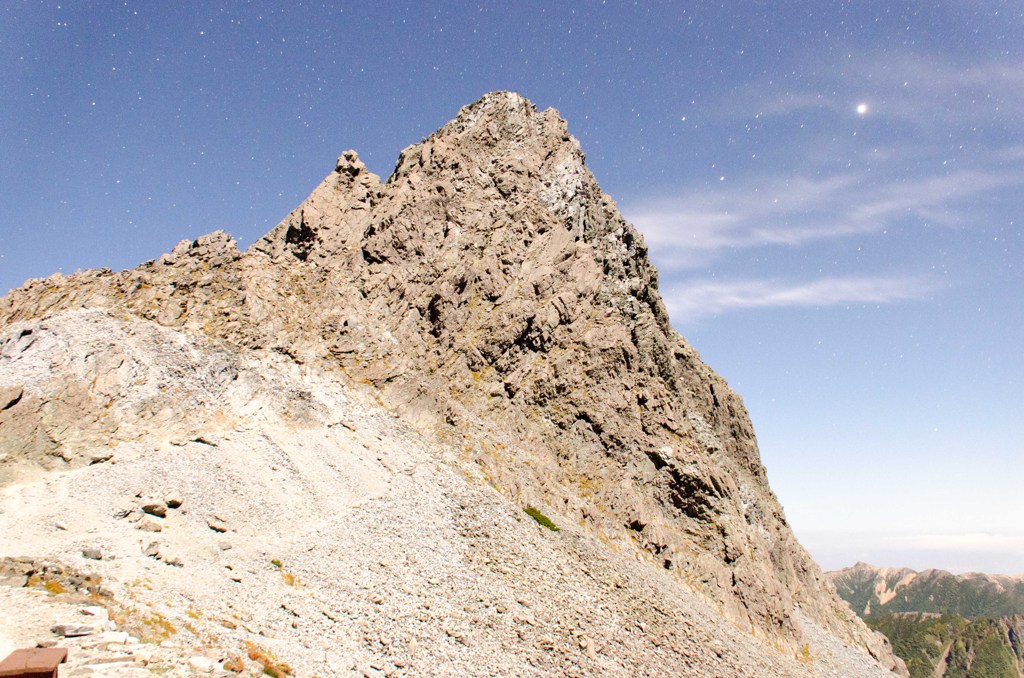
(506, 117)
(491, 295)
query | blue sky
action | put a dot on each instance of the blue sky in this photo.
(832, 191)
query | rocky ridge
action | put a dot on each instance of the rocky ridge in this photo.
(874, 591)
(492, 297)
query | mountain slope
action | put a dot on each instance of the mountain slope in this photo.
(952, 646)
(939, 623)
(491, 296)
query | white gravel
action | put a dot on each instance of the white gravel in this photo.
(346, 544)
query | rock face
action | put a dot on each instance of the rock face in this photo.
(494, 298)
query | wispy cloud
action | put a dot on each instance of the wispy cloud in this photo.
(935, 93)
(799, 210)
(932, 153)
(924, 90)
(694, 300)
(685, 233)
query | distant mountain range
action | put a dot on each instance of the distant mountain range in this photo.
(873, 592)
(941, 624)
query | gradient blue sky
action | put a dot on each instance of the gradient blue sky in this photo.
(833, 192)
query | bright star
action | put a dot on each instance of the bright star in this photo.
(862, 108)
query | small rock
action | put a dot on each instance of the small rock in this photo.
(234, 664)
(224, 545)
(173, 501)
(133, 513)
(216, 523)
(155, 508)
(61, 526)
(201, 664)
(100, 457)
(172, 560)
(153, 550)
(92, 554)
(10, 396)
(149, 524)
(143, 654)
(456, 634)
(117, 637)
(95, 611)
(72, 630)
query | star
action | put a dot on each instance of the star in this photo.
(862, 108)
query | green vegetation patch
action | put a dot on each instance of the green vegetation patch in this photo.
(977, 648)
(535, 513)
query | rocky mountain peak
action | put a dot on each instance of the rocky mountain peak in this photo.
(505, 117)
(492, 296)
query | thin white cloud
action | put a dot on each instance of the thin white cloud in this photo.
(786, 103)
(930, 174)
(797, 210)
(926, 91)
(941, 175)
(930, 92)
(1010, 154)
(694, 300)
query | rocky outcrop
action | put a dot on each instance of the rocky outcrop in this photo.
(496, 300)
